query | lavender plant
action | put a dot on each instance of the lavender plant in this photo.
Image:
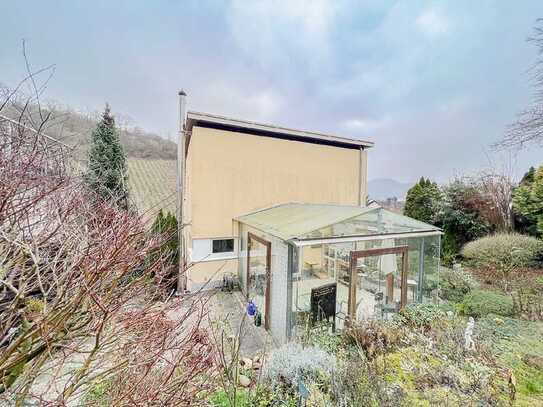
(293, 363)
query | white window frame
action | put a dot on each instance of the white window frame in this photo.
(202, 250)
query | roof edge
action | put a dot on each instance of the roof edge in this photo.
(193, 118)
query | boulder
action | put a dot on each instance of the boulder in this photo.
(244, 381)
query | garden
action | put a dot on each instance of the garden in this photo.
(480, 344)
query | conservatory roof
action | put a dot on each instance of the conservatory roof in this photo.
(310, 222)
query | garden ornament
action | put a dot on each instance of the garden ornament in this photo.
(251, 308)
(468, 335)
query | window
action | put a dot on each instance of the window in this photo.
(223, 245)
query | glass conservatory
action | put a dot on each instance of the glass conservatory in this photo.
(303, 264)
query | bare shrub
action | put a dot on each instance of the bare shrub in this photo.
(373, 337)
(77, 289)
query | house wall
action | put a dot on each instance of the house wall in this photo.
(209, 274)
(230, 174)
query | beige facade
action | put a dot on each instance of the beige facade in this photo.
(230, 173)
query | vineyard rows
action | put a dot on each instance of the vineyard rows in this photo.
(152, 184)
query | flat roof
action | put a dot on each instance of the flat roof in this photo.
(270, 130)
(306, 222)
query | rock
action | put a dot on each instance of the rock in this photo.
(244, 381)
(533, 361)
(246, 363)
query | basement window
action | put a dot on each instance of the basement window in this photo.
(223, 245)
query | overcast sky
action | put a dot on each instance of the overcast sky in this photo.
(433, 84)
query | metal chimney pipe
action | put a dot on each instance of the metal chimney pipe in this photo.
(181, 142)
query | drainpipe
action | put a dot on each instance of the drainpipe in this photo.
(182, 277)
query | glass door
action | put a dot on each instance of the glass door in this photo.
(378, 286)
(259, 275)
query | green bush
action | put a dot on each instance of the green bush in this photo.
(221, 399)
(503, 252)
(455, 283)
(479, 303)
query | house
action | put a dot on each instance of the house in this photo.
(285, 211)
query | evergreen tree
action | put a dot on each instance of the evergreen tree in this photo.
(528, 178)
(422, 201)
(166, 227)
(107, 171)
(528, 202)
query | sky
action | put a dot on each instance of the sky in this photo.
(432, 83)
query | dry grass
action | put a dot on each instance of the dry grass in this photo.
(152, 184)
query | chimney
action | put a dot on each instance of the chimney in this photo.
(181, 141)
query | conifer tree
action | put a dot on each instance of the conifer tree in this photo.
(166, 224)
(107, 172)
(528, 201)
(422, 201)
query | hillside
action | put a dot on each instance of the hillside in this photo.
(151, 159)
(74, 129)
(152, 184)
(382, 188)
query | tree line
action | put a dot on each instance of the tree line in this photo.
(472, 207)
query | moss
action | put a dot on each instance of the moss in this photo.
(97, 394)
(34, 305)
(529, 380)
(405, 365)
(514, 340)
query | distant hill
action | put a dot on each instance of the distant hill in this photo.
(382, 188)
(151, 159)
(74, 128)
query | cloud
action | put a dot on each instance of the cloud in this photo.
(363, 125)
(427, 83)
(231, 99)
(431, 23)
(277, 35)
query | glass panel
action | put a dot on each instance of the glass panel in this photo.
(378, 285)
(430, 277)
(257, 283)
(377, 221)
(415, 271)
(378, 278)
(338, 258)
(320, 266)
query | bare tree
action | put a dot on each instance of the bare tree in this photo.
(79, 279)
(528, 128)
(495, 185)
